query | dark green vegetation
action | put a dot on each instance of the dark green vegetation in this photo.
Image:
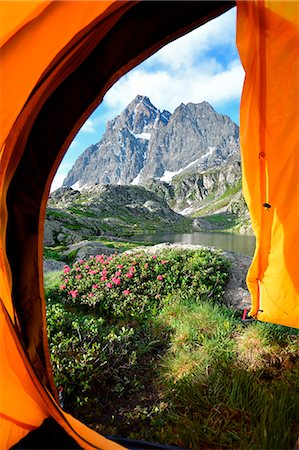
(222, 222)
(61, 253)
(155, 356)
(214, 192)
(119, 211)
(105, 211)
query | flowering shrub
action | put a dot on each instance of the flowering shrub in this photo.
(101, 327)
(88, 355)
(136, 285)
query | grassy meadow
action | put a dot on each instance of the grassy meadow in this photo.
(143, 348)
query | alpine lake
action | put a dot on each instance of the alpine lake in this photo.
(232, 242)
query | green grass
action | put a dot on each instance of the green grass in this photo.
(190, 375)
(54, 252)
(84, 212)
(121, 245)
(222, 221)
(56, 214)
(226, 385)
(117, 220)
(210, 204)
(52, 281)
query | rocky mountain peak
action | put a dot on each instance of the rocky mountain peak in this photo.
(140, 116)
(143, 143)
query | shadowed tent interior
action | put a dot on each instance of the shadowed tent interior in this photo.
(58, 59)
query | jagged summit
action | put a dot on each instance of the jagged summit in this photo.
(141, 99)
(143, 144)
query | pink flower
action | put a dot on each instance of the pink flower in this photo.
(95, 286)
(116, 280)
(146, 265)
(109, 285)
(80, 261)
(78, 268)
(154, 256)
(66, 280)
(91, 257)
(92, 272)
(117, 274)
(104, 272)
(62, 286)
(103, 278)
(90, 294)
(120, 266)
(78, 277)
(109, 258)
(163, 261)
(86, 266)
(129, 275)
(132, 269)
(160, 277)
(126, 292)
(66, 269)
(74, 293)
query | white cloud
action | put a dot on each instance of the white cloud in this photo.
(184, 52)
(168, 89)
(75, 144)
(57, 181)
(89, 126)
(62, 172)
(203, 65)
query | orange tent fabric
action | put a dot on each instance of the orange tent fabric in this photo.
(53, 49)
(268, 43)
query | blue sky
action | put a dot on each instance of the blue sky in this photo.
(202, 65)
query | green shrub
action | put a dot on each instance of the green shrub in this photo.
(51, 285)
(89, 358)
(100, 317)
(136, 285)
(167, 362)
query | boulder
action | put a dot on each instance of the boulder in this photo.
(92, 249)
(51, 265)
(236, 293)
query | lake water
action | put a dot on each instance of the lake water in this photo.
(227, 241)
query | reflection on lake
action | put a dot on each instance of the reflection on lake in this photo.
(227, 241)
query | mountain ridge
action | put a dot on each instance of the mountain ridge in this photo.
(143, 144)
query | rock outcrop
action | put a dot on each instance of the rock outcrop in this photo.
(73, 216)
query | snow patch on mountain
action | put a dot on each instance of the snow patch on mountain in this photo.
(209, 153)
(146, 136)
(136, 180)
(76, 186)
(168, 176)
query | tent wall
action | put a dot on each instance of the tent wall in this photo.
(57, 61)
(268, 43)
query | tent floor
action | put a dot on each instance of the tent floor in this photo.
(51, 436)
